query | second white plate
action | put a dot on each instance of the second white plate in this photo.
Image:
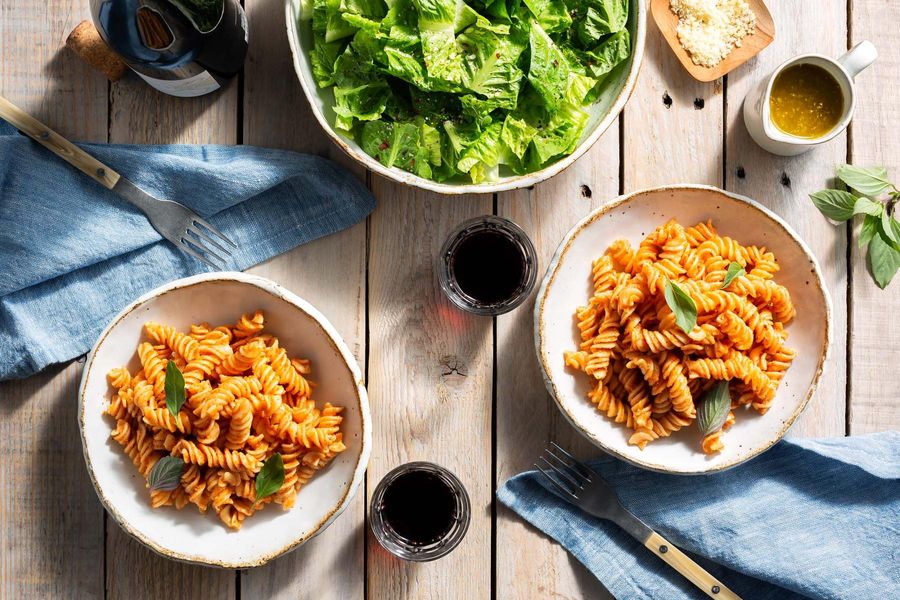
(567, 285)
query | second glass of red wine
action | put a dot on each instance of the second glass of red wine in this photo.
(487, 266)
(420, 511)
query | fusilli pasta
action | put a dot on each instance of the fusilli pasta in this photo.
(246, 400)
(647, 373)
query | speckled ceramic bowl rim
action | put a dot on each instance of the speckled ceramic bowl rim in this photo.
(551, 276)
(337, 343)
(511, 183)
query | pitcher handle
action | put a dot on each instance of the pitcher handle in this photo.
(859, 58)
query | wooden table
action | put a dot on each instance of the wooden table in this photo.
(444, 386)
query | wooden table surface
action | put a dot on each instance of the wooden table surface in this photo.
(444, 386)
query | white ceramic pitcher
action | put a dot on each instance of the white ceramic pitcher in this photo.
(756, 103)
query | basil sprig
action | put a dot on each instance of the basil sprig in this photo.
(270, 478)
(174, 388)
(713, 409)
(734, 270)
(684, 307)
(166, 473)
(876, 198)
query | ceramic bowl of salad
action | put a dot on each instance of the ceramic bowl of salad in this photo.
(466, 96)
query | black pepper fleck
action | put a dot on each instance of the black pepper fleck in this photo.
(667, 100)
(586, 191)
(699, 103)
(741, 173)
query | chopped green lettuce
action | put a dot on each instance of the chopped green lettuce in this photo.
(451, 89)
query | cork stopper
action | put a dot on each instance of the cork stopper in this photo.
(86, 42)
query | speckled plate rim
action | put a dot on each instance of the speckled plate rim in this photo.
(509, 183)
(550, 276)
(337, 342)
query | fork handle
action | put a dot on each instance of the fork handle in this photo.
(697, 575)
(57, 144)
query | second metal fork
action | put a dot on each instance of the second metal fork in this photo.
(583, 487)
(175, 222)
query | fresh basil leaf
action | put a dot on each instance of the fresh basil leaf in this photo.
(837, 205)
(270, 478)
(887, 228)
(734, 270)
(871, 182)
(884, 260)
(166, 473)
(895, 228)
(866, 206)
(682, 305)
(174, 388)
(868, 230)
(713, 408)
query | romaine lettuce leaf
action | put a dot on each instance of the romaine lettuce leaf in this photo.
(549, 69)
(359, 93)
(336, 27)
(552, 15)
(489, 66)
(373, 9)
(561, 134)
(322, 59)
(601, 18)
(604, 57)
(483, 156)
(397, 145)
(516, 134)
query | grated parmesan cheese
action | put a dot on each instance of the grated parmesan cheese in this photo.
(710, 29)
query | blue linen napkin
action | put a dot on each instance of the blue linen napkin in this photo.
(73, 254)
(807, 519)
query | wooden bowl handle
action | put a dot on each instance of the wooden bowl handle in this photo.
(57, 144)
(697, 575)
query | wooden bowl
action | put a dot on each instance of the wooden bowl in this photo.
(751, 45)
(567, 285)
(188, 535)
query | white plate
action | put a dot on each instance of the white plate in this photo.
(188, 535)
(602, 113)
(567, 286)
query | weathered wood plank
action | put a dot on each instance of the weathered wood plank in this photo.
(874, 332)
(51, 524)
(330, 273)
(430, 377)
(42, 77)
(527, 563)
(672, 124)
(141, 115)
(783, 183)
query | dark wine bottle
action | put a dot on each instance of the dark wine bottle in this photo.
(180, 47)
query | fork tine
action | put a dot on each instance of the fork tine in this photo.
(187, 249)
(585, 470)
(201, 248)
(558, 485)
(564, 472)
(197, 232)
(572, 470)
(198, 221)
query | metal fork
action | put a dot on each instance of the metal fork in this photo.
(175, 222)
(583, 487)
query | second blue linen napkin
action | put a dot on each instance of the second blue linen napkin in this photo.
(72, 254)
(807, 519)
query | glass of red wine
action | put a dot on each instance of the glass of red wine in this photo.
(420, 511)
(488, 266)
